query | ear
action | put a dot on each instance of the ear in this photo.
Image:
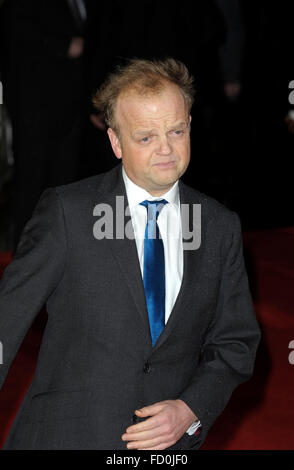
(115, 143)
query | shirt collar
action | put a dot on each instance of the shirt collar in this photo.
(136, 194)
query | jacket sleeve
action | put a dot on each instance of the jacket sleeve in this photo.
(229, 346)
(32, 275)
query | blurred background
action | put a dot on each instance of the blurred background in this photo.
(54, 54)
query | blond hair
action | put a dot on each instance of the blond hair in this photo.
(144, 77)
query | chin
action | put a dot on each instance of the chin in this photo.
(166, 182)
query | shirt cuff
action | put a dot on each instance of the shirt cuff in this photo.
(193, 428)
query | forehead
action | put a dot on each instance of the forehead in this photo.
(153, 109)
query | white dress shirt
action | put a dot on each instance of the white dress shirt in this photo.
(169, 222)
(170, 227)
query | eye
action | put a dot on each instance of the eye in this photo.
(147, 139)
(177, 132)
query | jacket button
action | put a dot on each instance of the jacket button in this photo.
(147, 368)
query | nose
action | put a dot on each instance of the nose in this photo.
(164, 147)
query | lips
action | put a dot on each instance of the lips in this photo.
(165, 164)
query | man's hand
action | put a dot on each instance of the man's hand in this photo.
(169, 420)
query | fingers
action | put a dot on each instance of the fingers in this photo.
(146, 425)
(143, 435)
(148, 444)
(151, 410)
(156, 432)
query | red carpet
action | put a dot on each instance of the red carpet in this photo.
(260, 414)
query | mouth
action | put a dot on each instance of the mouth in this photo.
(165, 164)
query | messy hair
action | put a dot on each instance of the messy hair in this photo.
(144, 77)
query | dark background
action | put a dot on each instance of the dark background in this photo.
(241, 147)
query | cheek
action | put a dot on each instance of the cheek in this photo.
(183, 150)
(141, 160)
(144, 157)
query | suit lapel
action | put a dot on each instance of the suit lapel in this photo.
(125, 250)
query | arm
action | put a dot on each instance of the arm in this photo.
(32, 276)
(230, 344)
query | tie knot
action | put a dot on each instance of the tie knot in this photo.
(153, 207)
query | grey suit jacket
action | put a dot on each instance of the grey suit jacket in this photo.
(96, 364)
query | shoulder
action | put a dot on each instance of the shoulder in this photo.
(220, 226)
(79, 188)
(212, 210)
(87, 188)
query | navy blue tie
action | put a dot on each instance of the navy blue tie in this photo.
(154, 269)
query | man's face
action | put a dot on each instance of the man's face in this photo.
(154, 141)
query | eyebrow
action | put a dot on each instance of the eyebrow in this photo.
(180, 124)
(144, 132)
(148, 131)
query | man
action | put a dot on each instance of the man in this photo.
(147, 336)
